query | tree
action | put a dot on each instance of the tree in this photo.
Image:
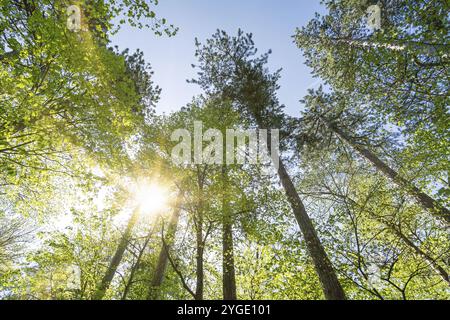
(327, 111)
(229, 70)
(229, 276)
(117, 258)
(163, 258)
(405, 86)
(66, 93)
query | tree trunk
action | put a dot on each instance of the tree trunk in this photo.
(199, 261)
(199, 240)
(163, 258)
(229, 277)
(423, 199)
(414, 47)
(135, 267)
(137, 264)
(331, 286)
(199, 258)
(117, 258)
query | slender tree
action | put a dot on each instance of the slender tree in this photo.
(326, 112)
(228, 69)
(136, 265)
(430, 204)
(228, 268)
(199, 233)
(117, 258)
(163, 258)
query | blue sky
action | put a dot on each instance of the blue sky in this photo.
(272, 23)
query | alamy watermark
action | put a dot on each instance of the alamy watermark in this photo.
(374, 277)
(374, 17)
(231, 147)
(74, 18)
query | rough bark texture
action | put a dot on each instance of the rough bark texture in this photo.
(199, 260)
(423, 199)
(199, 241)
(163, 258)
(330, 284)
(228, 270)
(117, 258)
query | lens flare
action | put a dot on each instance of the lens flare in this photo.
(151, 198)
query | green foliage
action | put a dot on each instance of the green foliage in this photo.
(78, 127)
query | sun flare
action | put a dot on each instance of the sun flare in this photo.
(151, 198)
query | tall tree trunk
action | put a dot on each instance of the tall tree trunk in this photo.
(137, 264)
(414, 47)
(427, 202)
(331, 286)
(117, 258)
(129, 283)
(199, 258)
(163, 258)
(199, 239)
(229, 277)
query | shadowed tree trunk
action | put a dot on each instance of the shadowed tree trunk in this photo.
(163, 258)
(117, 258)
(200, 243)
(229, 277)
(199, 257)
(331, 286)
(430, 204)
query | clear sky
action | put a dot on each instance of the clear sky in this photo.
(272, 23)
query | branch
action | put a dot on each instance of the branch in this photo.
(175, 268)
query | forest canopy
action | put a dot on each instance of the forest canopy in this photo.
(230, 196)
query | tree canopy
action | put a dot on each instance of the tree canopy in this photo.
(101, 197)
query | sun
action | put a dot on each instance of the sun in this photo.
(151, 198)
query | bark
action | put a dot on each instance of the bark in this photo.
(414, 47)
(199, 240)
(129, 283)
(228, 269)
(427, 202)
(332, 289)
(163, 258)
(331, 286)
(199, 259)
(117, 258)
